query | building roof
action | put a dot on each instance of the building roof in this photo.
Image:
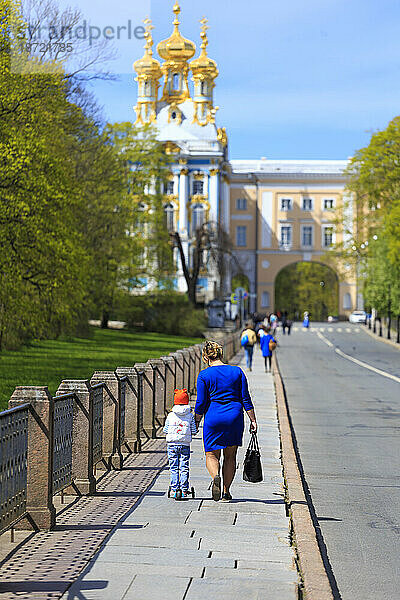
(289, 167)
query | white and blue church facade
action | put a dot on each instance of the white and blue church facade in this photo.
(275, 212)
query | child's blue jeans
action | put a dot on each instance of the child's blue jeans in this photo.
(179, 457)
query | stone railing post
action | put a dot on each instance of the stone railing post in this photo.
(41, 513)
(83, 480)
(132, 409)
(186, 368)
(159, 367)
(170, 371)
(193, 374)
(112, 455)
(179, 372)
(148, 376)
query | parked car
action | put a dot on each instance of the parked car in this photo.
(333, 319)
(358, 316)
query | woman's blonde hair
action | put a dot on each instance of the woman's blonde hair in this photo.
(212, 351)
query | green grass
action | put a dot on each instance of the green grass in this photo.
(49, 362)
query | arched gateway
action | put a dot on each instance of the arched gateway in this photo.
(307, 286)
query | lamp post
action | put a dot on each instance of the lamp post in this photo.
(389, 325)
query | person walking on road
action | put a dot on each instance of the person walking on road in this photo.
(306, 320)
(222, 397)
(267, 342)
(248, 339)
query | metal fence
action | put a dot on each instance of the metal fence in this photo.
(13, 464)
(62, 432)
(50, 444)
(97, 422)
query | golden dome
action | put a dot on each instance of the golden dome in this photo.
(176, 47)
(204, 64)
(147, 65)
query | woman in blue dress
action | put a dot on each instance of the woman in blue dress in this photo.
(222, 394)
(266, 351)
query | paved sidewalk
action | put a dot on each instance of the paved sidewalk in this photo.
(199, 549)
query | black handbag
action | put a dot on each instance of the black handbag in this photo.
(252, 470)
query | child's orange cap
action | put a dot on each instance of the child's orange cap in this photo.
(181, 397)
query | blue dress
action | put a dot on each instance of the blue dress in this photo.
(222, 393)
(264, 344)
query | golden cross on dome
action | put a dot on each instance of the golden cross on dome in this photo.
(148, 24)
(204, 25)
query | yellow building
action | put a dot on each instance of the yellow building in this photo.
(283, 212)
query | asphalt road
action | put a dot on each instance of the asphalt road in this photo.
(347, 424)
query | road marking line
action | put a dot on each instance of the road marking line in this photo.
(339, 329)
(357, 330)
(330, 329)
(348, 330)
(360, 363)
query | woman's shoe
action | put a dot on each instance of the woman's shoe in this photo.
(216, 488)
(226, 497)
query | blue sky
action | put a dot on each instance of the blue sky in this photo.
(297, 79)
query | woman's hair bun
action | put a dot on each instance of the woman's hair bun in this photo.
(212, 351)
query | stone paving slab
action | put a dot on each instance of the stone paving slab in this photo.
(248, 589)
(200, 549)
(45, 564)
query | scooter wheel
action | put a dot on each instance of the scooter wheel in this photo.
(178, 495)
(169, 492)
(193, 493)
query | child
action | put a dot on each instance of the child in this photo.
(180, 426)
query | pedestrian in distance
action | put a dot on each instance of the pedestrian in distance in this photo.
(247, 340)
(222, 397)
(284, 322)
(289, 324)
(306, 320)
(268, 344)
(180, 427)
(273, 319)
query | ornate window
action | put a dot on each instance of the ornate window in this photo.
(286, 236)
(328, 203)
(198, 217)
(169, 217)
(203, 88)
(147, 88)
(169, 187)
(307, 236)
(198, 187)
(265, 299)
(175, 81)
(286, 204)
(241, 235)
(241, 203)
(346, 301)
(328, 236)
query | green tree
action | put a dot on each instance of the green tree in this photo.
(146, 170)
(374, 182)
(307, 286)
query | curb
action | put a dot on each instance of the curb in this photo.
(381, 339)
(312, 569)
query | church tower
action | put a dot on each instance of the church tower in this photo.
(204, 71)
(148, 75)
(197, 193)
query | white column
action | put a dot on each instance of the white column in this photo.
(213, 195)
(226, 205)
(183, 224)
(183, 199)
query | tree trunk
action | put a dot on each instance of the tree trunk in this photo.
(192, 291)
(104, 319)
